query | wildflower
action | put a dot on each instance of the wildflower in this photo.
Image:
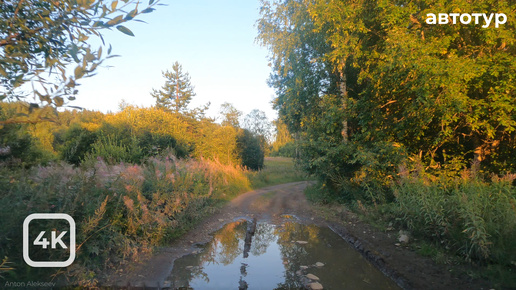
(129, 203)
(158, 173)
(133, 173)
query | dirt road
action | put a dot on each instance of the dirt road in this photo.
(405, 267)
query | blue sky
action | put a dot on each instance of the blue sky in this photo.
(213, 40)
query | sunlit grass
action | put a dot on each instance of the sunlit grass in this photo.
(276, 170)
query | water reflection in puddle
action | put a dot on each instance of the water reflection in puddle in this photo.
(276, 257)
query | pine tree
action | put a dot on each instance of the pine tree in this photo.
(177, 92)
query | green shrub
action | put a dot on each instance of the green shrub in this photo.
(109, 148)
(251, 151)
(474, 218)
(352, 172)
(75, 143)
(287, 150)
(121, 211)
(154, 144)
(19, 148)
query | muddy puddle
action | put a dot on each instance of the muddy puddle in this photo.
(258, 255)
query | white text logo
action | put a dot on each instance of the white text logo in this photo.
(466, 18)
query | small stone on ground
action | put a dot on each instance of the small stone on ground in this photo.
(315, 286)
(312, 277)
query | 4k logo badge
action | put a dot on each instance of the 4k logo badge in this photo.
(58, 239)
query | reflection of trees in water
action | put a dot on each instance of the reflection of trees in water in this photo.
(294, 253)
(263, 237)
(228, 244)
(291, 231)
(184, 271)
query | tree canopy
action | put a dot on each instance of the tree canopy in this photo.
(230, 115)
(369, 85)
(41, 42)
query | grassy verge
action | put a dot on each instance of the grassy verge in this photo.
(277, 170)
(121, 211)
(455, 221)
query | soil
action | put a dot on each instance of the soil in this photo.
(382, 248)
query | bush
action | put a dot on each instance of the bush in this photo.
(154, 144)
(121, 211)
(250, 149)
(352, 172)
(114, 151)
(287, 150)
(75, 143)
(19, 148)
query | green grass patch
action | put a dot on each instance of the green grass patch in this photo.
(276, 170)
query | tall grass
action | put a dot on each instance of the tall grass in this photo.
(122, 211)
(473, 218)
(476, 218)
(456, 216)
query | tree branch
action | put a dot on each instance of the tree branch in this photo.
(18, 36)
(18, 9)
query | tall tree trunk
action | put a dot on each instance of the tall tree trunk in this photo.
(177, 95)
(344, 93)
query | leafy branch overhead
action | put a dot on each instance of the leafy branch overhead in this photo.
(42, 41)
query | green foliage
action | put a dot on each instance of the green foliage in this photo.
(17, 146)
(258, 124)
(121, 211)
(283, 139)
(111, 149)
(177, 92)
(230, 115)
(75, 143)
(373, 93)
(131, 135)
(159, 144)
(250, 150)
(285, 150)
(375, 75)
(41, 40)
(475, 219)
